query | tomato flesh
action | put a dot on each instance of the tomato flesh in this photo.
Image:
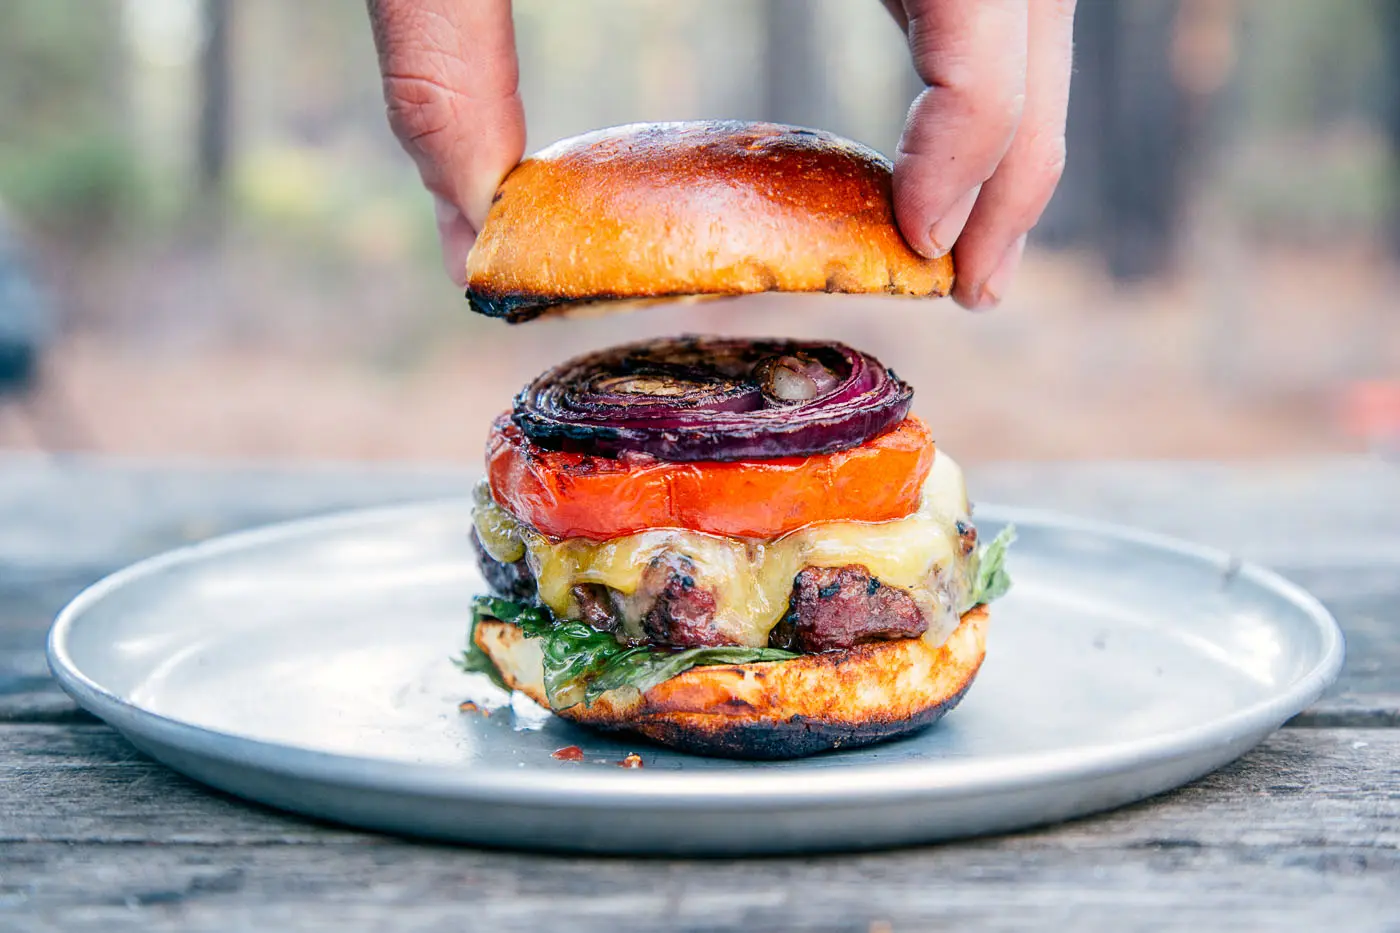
(572, 495)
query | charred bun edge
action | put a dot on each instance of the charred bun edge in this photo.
(797, 737)
(515, 309)
(785, 709)
(519, 307)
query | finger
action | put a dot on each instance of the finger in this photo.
(896, 10)
(456, 235)
(451, 87)
(971, 56)
(1016, 195)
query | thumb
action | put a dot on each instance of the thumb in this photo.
(451, 87)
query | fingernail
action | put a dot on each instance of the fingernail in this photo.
(994, 289)
(444, 211)
(456, 235)
(946, 230)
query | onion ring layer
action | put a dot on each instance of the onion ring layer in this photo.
(710, 398)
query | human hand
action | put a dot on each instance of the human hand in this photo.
(984, 144)
(451, 89)
(982, 150)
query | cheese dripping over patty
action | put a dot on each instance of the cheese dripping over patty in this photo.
(752, 580)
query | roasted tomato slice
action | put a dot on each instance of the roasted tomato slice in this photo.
(572, 495)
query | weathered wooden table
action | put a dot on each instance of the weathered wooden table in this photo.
(1301, 834)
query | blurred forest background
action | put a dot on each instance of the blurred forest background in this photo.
(211, 246)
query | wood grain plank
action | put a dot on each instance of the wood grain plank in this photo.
(27, 690)
(1315, 787)
(1366, 604)
(1302, 834)
(88, 784)
(982, 886)
(88, 514)
(1290, 514)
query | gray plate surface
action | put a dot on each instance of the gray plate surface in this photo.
(307, 666)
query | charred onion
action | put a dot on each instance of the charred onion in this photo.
(708, 398)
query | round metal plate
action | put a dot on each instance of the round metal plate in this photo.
(309, 666)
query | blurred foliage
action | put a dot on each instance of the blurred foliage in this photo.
(82, 189)
(329, 204)
(61, 64)
(1310, 63)
(67, 169)
(1305, 158)
(1311, 191)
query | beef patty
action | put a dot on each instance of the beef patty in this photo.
(830, 608)
(837, 607)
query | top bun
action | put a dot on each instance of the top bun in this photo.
(663, 210)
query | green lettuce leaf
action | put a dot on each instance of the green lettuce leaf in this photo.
(476, 661)
(646, 667)
(990, 580)
(581, 663)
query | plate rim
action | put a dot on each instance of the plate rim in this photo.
(737, 788)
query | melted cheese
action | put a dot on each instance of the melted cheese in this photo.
(752, 580)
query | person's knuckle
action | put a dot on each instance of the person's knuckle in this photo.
(1036, 179)
(992, 96)
(418, 107)
(954, 75)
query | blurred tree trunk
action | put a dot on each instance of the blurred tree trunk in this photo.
(1077, 213)
(794, 90)
(212, 145)
(1129, 138)
(1142, 134)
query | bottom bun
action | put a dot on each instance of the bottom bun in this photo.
(782, 709)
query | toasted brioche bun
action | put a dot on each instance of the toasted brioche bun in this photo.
(784, 709)
(664, 210)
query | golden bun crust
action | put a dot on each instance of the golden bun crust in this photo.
(661, 210)
(787, 709)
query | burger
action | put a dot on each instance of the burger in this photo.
(734, 547)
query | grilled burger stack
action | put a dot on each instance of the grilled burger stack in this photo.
(735, 547)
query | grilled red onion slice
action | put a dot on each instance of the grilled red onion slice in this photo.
(711, 398)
